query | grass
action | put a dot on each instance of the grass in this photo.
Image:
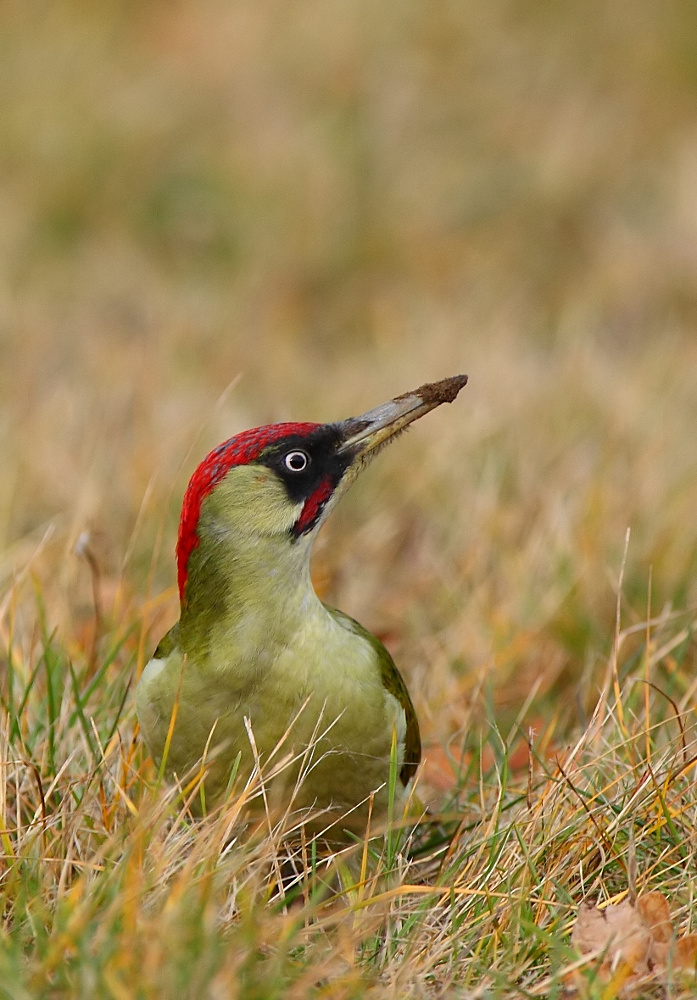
(214, 216)
(110, 889)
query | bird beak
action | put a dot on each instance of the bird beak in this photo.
(362, 435)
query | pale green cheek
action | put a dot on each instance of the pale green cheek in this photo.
(251, 499)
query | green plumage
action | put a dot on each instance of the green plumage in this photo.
(258, 673)
(254, 642)
(393, 682)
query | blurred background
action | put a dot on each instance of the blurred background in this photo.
(218, 214)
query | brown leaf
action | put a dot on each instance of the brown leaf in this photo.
(619, 932)
(655, 912)
(633, 941)
(685, 953)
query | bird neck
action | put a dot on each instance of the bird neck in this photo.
(246, 594)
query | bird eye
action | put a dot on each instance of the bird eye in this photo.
(296, 461)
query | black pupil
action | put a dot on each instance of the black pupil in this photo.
(296, 461)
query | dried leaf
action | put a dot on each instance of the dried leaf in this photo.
(655, 913)
(685, 953)
(619, 933)
(633, 942)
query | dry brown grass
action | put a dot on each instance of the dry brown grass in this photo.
(215, 215)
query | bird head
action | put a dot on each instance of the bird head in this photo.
(280, 481)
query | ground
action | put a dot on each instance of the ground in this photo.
(215, 215)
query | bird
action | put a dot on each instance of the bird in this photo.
(257, 669)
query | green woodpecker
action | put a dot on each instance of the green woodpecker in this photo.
(257, 668)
